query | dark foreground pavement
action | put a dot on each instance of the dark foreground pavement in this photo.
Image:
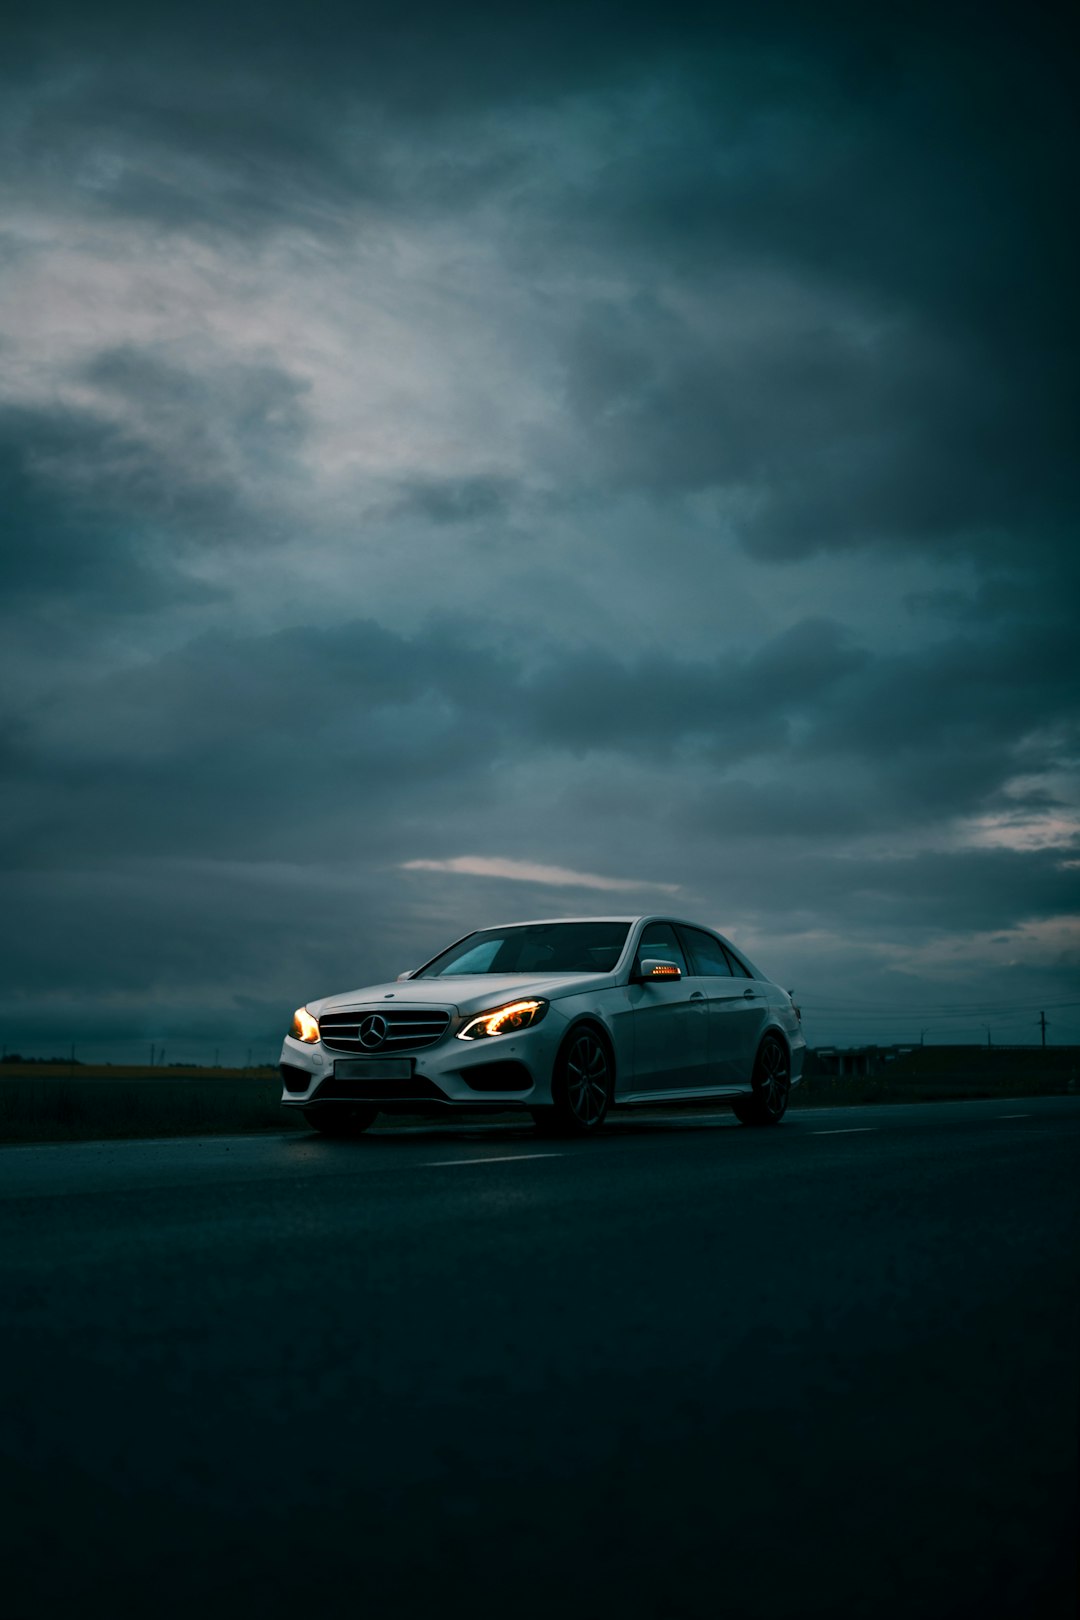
(686, 1370)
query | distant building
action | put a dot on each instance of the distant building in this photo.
(954, 1063)
(849, 1060)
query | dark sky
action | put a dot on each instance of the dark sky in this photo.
(470, 464)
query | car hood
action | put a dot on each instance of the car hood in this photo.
(470, 994)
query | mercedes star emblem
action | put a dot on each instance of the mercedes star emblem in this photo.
(372, 1031)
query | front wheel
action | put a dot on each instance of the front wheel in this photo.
(581, 1087)
(340, 1119)
(772, 1086)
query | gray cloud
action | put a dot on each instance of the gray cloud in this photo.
(442, 501)
(70, 488)
(581, 436)
(270, 746)
(106, 505)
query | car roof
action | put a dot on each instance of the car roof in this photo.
(641, 917)
(536, 922)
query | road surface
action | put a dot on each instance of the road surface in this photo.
(687, 1369)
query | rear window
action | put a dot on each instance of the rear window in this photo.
(740, 969)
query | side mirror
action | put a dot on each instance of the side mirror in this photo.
(653, 968)
(404, 976)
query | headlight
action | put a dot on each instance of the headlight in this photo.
(504, 1020)
(304, 1027)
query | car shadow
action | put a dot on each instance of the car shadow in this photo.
(386, 1133)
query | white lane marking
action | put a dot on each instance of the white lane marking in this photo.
(1014, 1116)
(502, 1158)
(849, 1130)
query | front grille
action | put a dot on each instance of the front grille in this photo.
(407, 1029)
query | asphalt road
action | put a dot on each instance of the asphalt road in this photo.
(685, 1370)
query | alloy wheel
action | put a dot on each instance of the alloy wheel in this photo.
(587, 1080)
(773, 1079)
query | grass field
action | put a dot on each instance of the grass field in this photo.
(47, 1104)
(59, 1103)
(132, 1071)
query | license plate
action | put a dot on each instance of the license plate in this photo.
(373, 1069)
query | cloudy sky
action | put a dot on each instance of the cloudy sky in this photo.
(465, 464)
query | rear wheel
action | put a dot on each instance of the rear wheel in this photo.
(772, 1085)
(340, 1119)
(581, 1086)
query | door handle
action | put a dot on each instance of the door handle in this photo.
(696, 995)
(749, 995)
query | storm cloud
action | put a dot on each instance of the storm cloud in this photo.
(489, 465)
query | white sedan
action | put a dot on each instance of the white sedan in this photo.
(566, 1018)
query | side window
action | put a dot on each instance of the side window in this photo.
(658, 941)
(737, 967)
(708, 955)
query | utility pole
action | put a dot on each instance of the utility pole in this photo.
(922, 1037)
(989, 1042)
(1042, 1026)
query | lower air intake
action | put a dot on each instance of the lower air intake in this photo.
(294, 1079)
(506, 1076)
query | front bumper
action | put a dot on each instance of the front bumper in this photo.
(504, 1071)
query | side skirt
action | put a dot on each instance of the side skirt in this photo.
(695, 1094)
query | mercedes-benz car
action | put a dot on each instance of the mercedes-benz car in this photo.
(566, 1017)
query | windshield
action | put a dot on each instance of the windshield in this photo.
(533, 948)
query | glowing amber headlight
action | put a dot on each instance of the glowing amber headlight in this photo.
(504, 1020)
(304, 1027)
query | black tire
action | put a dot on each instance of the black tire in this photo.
(582, 1086)
(768, 1102)
(340, 1119)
